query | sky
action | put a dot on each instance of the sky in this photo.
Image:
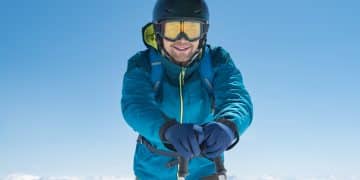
(62, 64)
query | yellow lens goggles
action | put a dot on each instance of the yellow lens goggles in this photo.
(190, 30)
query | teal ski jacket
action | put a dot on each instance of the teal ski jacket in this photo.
(181, 97)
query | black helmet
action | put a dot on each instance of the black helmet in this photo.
(180, 9)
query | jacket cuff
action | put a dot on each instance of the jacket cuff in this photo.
(163, 129)
(234, 129)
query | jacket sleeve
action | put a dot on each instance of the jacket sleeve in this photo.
(233, 105)
(138, 105)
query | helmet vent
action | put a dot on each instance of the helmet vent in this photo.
(198, 11)
(168, 10)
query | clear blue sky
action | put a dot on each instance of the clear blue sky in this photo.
(62, 62)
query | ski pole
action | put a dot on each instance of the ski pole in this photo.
(183, 168)
(220, 168)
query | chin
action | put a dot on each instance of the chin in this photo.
(180, 60)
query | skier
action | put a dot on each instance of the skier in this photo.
(184, 97)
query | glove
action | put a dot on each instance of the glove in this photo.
(184, 138)
(218, 137)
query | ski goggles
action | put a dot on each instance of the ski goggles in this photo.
(174, 30)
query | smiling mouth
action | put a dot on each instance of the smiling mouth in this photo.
(181, 48)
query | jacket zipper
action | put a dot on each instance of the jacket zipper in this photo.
(181, 84)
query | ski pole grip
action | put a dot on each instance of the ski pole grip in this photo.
(183, 167)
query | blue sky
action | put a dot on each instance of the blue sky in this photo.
(61, 68)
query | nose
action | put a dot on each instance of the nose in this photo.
(182, 40)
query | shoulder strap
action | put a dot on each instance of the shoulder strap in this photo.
(206, 70)
(156, 68)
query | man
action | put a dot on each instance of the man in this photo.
(182, 96)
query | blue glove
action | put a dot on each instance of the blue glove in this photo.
(184, 138)
(218, 137)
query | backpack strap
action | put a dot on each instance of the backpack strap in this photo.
(207, 75)
(156, 68)
(206, 70)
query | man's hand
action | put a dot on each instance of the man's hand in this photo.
(218, 137)
(185, 139)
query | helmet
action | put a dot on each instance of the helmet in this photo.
(180, 9)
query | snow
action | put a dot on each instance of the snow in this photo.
(20, 176)
(32, 177)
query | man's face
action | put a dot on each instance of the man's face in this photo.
(181, 50)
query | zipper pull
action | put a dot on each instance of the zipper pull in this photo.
(183, 69)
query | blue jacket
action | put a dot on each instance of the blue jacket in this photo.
(146, 111)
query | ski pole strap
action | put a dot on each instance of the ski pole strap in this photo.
(152, 149)
(182, 162)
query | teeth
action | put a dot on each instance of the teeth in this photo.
(182, 48)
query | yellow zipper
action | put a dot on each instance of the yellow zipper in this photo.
(181, 84)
